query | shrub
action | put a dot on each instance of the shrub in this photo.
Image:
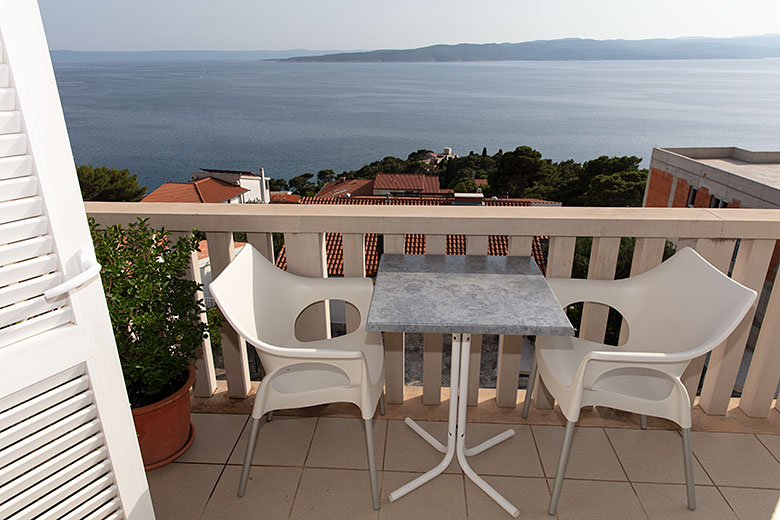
(154, 313)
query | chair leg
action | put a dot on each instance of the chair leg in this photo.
(250, 452)
(369, 423)
(269, 416)
(529, 389)
(643, 421)
(382, 404)
(688, 457)
(562, 462)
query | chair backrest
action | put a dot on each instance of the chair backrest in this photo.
(252, 294)
(685, 303)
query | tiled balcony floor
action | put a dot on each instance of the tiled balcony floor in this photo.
(315, 467)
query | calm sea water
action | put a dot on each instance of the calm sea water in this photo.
(165, 119)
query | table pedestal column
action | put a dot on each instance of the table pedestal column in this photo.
(456, 431)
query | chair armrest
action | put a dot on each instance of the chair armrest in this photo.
(637, 357)
(573, 290)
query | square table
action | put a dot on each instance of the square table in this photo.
(463, 295)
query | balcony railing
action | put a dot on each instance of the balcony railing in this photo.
(738, 241)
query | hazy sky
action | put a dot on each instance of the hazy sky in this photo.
(375, 24)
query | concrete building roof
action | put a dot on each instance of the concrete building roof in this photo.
(732, 173)
(202, 190)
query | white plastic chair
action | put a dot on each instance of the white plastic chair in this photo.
(262, 303)
(676, 312)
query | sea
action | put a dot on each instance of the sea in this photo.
(163, 117)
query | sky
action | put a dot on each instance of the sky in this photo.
(130, 25)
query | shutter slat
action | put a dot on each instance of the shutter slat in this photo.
(18, 188)
(39, 421)
(48, 434)
(100, 513)
(36, 389)
(13, 144)
(7, 99)
(85, 469)
(54, 507)
(21, 311)
(10, 122)
(46, 400)
(84, 500)
(27, 269)
(35, 325)
(25, 249)
(12, 210)
(23, 229)
(29, 289)
(16, 166)
(70, 445)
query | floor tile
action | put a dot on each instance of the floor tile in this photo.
(753, 504)
(406, 451)
(670, 501)
(772, 443)
(592, 457)
(269, 494)
(180, 491)
(442, 498)
(598, 500)
(736, 459)
(516, 456)
(333, 493)
(281, 442)
(530, 495)
(341, 443)
(653, 456)
(215, 437)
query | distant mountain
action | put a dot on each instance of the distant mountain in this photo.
(766, 46)
(63, 56)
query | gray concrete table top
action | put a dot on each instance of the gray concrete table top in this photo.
(459, 294)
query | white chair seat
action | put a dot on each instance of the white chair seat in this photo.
(368, 342)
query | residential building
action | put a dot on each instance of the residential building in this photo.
(718, 177)
(207, 189)
(434, 159)
(256, 184)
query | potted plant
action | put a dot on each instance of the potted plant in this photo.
(157, 325)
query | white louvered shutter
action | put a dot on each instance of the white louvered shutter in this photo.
(68, 448)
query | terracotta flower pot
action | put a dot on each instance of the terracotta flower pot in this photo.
(164, 429)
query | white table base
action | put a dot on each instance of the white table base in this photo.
(456, 431)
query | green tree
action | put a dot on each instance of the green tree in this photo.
(466, 186)
(302, 185)
(616, 189)
(277, 185)
(108, 184)
(419, 155)
(516, 171)
(325, 176)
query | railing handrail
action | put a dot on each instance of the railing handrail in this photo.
(469, 220)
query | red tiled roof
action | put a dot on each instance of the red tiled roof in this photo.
(480, 182)
(407, 182)
(498, 245)
(353, 187)
(202, 190)
(203, 248)
(285, 198)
